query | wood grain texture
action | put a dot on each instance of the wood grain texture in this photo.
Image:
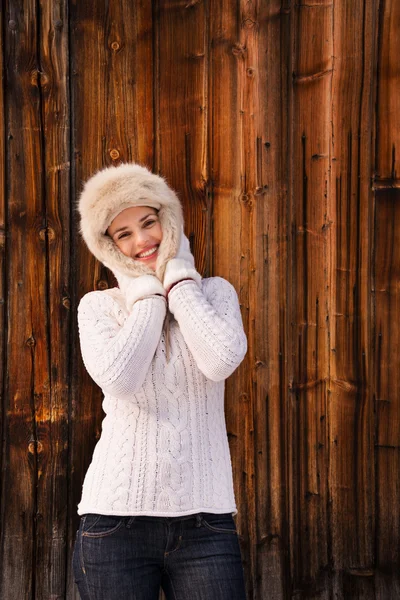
(3, 266)
(27, 387)
(388, 93)
(309, 302)
(385, 269)
(51, 415)
(351, 423)
(232, 255)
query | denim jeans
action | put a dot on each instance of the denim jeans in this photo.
(195, 557)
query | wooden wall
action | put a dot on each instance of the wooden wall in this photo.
(278, 122)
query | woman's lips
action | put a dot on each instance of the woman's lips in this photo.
(153, 252)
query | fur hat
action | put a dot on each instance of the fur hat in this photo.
(109, 192)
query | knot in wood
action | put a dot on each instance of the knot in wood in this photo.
(30, 341)
(66, 302)
(248, 23)
(114, 154)
(44, 79)
(250, 71)
(49, 231)
(34, 77)
(102, 285)
(260, 190)
(35, 445)
(246, 200)
(58, 24)
(239, 49)
(12, 25)
(115, 46)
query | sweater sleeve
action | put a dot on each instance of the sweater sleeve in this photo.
(211, 324)
(117, 351)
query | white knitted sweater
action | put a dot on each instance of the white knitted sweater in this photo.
(163, 449)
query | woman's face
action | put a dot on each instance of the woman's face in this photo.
(137, 233)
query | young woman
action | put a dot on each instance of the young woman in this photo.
(157, 501)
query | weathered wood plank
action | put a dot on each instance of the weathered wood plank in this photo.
(3, 249)
(388, 92)
(311, 245)
(387, 343)
(351, 414)
(27, 386)
(385, 273)
(262, 65)
(52, 415)
(232, 242)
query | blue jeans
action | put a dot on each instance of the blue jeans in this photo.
(195, 557)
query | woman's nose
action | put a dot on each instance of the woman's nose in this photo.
(142, 238)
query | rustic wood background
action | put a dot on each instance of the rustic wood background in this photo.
(278, 122)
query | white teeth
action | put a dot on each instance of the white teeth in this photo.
(148, 253)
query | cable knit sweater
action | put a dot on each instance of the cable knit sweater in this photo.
(163, 449)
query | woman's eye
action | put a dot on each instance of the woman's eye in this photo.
(123, 235)
(149, 223)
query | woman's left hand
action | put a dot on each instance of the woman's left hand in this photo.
(181, 267)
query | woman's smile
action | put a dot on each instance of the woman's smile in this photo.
(145, 255)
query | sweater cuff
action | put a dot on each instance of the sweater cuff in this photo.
(174, 296)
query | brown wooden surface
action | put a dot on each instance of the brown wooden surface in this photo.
(277, 123)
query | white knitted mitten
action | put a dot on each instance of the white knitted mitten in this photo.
(182, 266)
(137, 288)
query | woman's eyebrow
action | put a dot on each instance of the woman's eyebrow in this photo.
(120, 229)
(126, 226)
(143, 218)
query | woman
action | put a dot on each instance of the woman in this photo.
(157, 501)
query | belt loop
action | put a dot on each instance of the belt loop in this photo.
(199, 520)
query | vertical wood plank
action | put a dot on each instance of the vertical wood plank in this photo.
(388, 93)
(112, 121)
(351, 413)
(27, 383)
(52, 413)
(3, 250)
(309, 305)
(386, 295)
(262, 65)
(232, 245)
(387, 343)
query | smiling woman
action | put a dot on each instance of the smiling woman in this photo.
(137, 233)
(159, 491)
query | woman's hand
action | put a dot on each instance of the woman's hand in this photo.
(137, 288)
(181, 267)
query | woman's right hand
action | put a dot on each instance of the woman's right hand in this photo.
(137, 288)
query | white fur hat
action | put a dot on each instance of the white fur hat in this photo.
(113, 189)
